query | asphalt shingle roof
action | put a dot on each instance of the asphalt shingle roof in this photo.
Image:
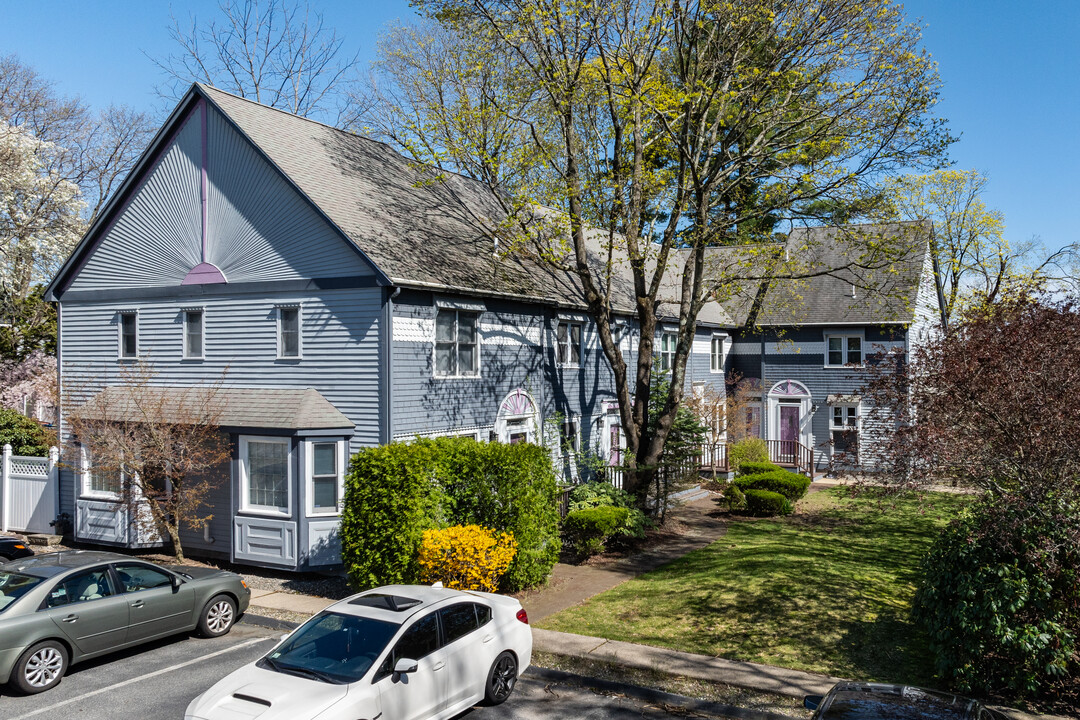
(255, 408)
(424, 228)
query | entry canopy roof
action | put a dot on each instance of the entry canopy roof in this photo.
(254, 408)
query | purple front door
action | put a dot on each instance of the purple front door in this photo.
(789, 429)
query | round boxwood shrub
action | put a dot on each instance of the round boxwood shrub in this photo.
(588, 529)
(735, 498)
(25, 436)
(765, 503)
(596, 494)
(788, 484)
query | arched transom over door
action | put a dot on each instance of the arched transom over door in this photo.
(517, 420)
(790, 409)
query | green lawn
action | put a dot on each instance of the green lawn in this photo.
(827, 589)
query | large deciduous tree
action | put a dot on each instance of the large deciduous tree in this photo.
(976, 263)
(675, 126)
(276, 52)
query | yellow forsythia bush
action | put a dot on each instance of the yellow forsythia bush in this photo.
(466, 557)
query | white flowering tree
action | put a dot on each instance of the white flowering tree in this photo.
(29, 385)
(39, 212)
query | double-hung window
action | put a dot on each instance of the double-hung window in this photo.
(569, 344)
(844, 428)
(667, 350)
(129, 335)
(570, 440)
(289, 332)
(193, 334)
(456, 347)
(98, 481)
(325, 478)
(843, 350)
(845, 417)
(265, 466)
(716, 355)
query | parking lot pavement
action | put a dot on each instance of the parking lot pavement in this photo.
(157, 681)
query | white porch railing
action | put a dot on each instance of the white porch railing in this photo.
(29, 491)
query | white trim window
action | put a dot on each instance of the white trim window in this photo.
(266, 475)
(457, 346)
(290, 335)
(127, 338)
(568, 342)
(326, 477)
(97, 482)
(569, 437)
(716, 354)
(668, 341)
(844, 430)
(843, 350)
(194, 332)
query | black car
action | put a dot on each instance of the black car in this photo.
(881, 701)
(13, 549)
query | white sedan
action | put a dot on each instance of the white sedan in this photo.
(401, 652)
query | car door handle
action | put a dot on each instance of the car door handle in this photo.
(487, 638)
(70, 618)
(137, 604)
(438, 666)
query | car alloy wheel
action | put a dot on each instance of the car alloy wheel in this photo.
(40, 667)
(44, 667)
(501, 679)
(220, 616)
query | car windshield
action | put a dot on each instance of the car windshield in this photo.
(13, 586)
(331, 647)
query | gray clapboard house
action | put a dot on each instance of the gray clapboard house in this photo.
(351, 299)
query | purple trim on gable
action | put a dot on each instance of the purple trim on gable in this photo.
(204, 274)
(204, 182)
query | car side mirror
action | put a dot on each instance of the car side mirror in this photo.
(405, 666)
(176, 582)
(812, 702)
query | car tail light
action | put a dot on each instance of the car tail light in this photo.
(523, 616)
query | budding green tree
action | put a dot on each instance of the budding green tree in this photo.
(674, 126)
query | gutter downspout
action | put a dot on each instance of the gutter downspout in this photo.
(764, 405)
(388, 337)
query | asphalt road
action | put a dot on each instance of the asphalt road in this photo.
(157, 681)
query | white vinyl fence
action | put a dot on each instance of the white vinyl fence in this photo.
(29, 492)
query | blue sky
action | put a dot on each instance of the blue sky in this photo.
(1012, 89)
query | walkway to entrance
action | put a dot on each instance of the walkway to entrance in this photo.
(573, 584)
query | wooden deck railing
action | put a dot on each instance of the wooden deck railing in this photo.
(792, 453)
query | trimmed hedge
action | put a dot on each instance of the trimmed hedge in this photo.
(765, 503)
(589, 529)
(788, 484)
(393, 493)
(597, 494)
(756, 468)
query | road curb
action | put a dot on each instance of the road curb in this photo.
(658, 697)
(267, 622)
